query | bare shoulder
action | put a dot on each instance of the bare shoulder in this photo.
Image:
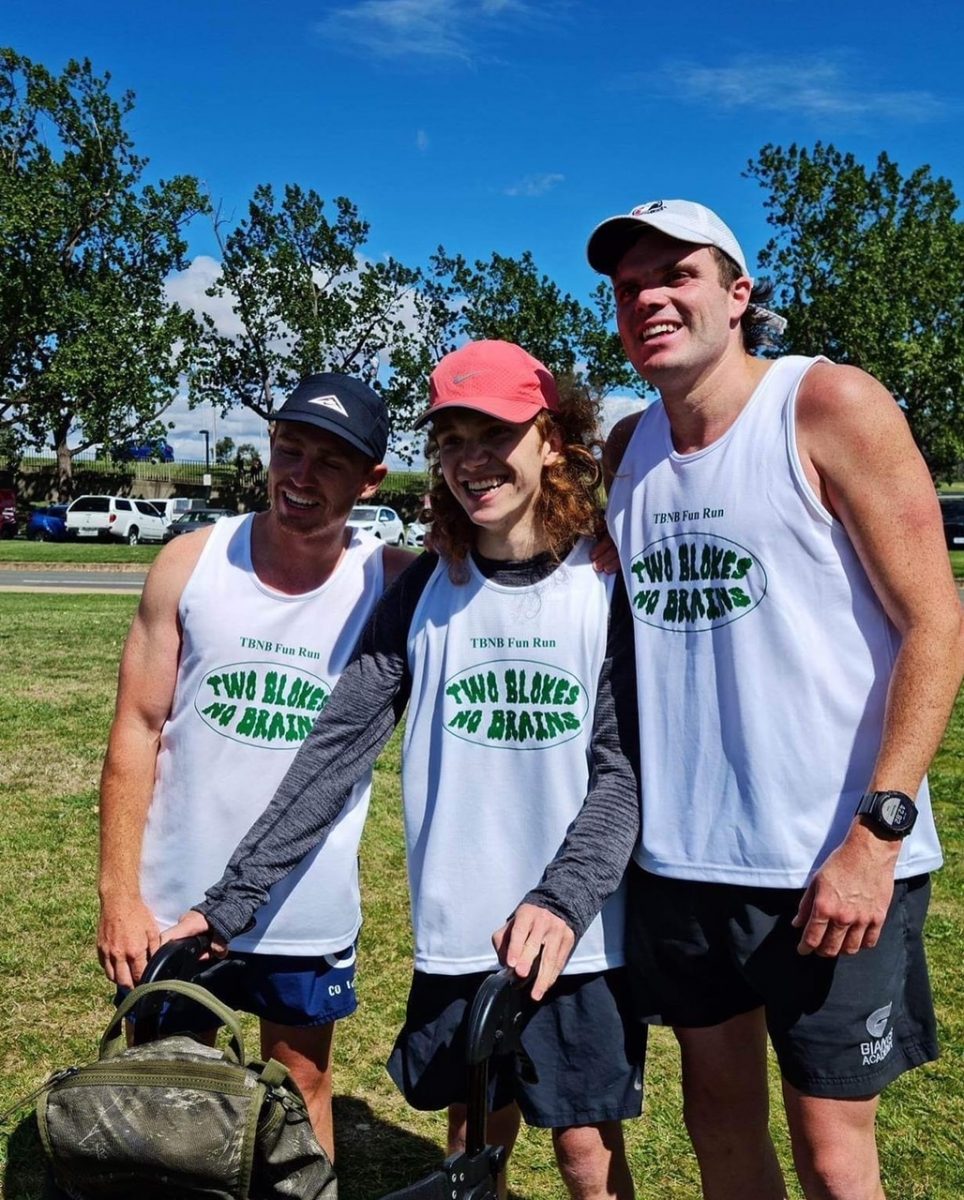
(617, 442)
(848, 423)
(171, 570)
(395, 561)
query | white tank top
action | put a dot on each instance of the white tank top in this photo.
(763, 654)
(496, 758)
(257, 666)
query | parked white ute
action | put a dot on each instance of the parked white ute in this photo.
(103, 517)
(384, 523)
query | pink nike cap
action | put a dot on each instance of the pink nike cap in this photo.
(498, 378)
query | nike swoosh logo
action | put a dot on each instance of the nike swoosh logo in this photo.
(467, 375)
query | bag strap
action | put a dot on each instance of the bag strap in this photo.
(112, 1043)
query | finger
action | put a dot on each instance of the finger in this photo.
(812, 936)
(833, 939)
(500, 941)
(153, 941)
(804, 910)
(122, 973)
(854, 939)
(218, 948)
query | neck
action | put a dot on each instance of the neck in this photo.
(702, 409)
(515, 546)
(290, 562)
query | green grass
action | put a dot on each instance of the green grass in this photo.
(21, 551)
(59, 658)
(957, 563)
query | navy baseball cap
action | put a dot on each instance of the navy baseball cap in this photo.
(343, 406)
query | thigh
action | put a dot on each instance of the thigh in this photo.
(844, 1028)
(683, 971)
(587, 1053)
(428, 1060)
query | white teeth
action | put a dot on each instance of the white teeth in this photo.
(656, 330)
(296, 503)
(477, 486)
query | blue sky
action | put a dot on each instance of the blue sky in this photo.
(512, 124)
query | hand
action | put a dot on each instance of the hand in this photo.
(844, 908)
(194, 924)
(529, 930)
(127, 936)
(605, 556)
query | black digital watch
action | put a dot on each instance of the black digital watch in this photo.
(893, 813)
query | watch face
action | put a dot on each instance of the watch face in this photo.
(893, 811)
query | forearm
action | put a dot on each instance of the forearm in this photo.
(126, 789)
(923, 687)
(341, 748)
(592, 860)
(338, 752)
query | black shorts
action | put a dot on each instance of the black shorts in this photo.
(701, 953)
(586, 1052)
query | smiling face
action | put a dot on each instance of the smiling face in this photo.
(494, 470)
(675, 317)
(314, 478)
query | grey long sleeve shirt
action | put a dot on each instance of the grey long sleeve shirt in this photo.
(363, 710)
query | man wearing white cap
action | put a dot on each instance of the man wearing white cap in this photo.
(798, 649)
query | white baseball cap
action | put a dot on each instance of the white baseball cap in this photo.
(684, 220)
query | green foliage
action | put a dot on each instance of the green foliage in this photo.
(870, 270)
(90, 349)
(307, 300)
(507, 299)
(223, 449)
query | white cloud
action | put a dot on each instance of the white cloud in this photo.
(534, 185)
(834, 85)
(441, 29)
(421, 141)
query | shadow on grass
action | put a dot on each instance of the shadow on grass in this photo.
(375, 1157)
(25, 1176)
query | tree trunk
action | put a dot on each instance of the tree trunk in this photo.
(65, 472)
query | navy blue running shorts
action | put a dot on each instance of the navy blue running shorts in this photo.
(587, 1055)
(287, 989)
(843, 1028)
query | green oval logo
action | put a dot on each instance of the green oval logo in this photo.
(517, 704)
(261, 704)
(691, 582)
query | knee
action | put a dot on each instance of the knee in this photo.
(590, 1158)
(832, 1172)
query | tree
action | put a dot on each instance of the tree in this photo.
(91, 351)
(223, 449)
(507, 298)
(308, 300)
(869, 267)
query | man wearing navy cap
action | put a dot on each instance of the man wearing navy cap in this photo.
(242, 631)
(799, 646)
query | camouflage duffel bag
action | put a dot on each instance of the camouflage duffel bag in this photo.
(175, 1118)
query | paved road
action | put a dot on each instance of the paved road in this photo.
(76, 582)
(79, 581)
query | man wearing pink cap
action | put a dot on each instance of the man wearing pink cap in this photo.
(798, 650)
(514, 656)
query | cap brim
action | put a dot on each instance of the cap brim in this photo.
(520, 411)
(610, 240)
(331, 426)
